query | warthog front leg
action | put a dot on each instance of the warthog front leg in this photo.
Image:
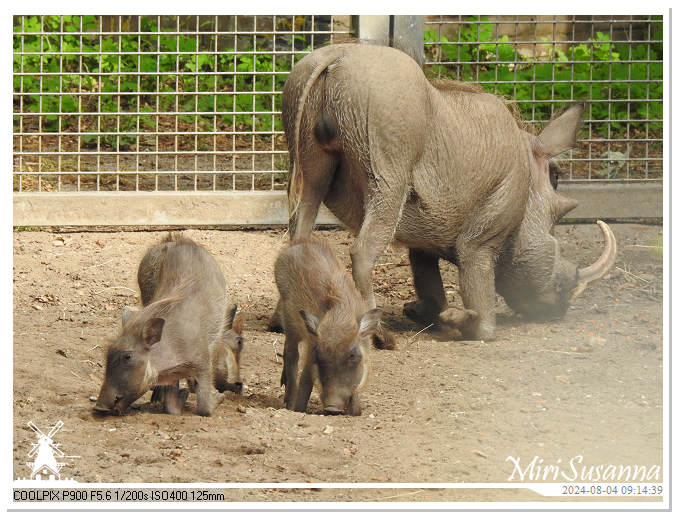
(477, 286)
(377, 232)
(289, 375)
(431, 298)
(304, 386)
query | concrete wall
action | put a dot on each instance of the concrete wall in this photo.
(269, 208)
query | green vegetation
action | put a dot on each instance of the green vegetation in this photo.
(118, 85)
(139, 74)
(597, 71)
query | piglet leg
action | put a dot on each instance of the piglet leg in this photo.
(207, 401)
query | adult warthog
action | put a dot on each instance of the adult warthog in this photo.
(440, 167)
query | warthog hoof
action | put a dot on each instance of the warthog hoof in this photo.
(461, 319)
(274, 324)
(331, 410)
(421, 311)
(468, 324)
(207, 406)
(456, 324)
(236, 388)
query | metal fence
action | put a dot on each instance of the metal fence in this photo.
(174, 103)
(107, 103)
(614, 63)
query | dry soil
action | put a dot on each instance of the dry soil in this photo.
(588, 385)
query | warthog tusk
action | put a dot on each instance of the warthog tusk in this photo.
(598, 269)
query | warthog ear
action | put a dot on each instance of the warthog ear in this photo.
(152, 331)
(561, 133)
(369, 322)
(127, 314)
(563, 205)
(310, 321)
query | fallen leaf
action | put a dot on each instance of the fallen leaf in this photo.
(596, 341)
(351, 450)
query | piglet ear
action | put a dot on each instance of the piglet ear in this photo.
(310, 321)
(230, 313)
(369, 322)
(238, 323)
(152, 331)
(234, 322)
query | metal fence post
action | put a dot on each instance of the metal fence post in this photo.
(407, 35)
(371, 29)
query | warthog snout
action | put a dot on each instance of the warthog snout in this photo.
(118, 408)
(111, 402)
(106, 401)
(336, 402)
(331, 410)
(115, 409)
(99, 409)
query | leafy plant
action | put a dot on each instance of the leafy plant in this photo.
(127, 78)
(620, 80)
(139, 73)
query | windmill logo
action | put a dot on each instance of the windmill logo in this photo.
(45, 453)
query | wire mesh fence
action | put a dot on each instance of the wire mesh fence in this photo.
(155, 102)
(614, 63)
(174, 103)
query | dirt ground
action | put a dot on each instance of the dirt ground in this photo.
(589, 385)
